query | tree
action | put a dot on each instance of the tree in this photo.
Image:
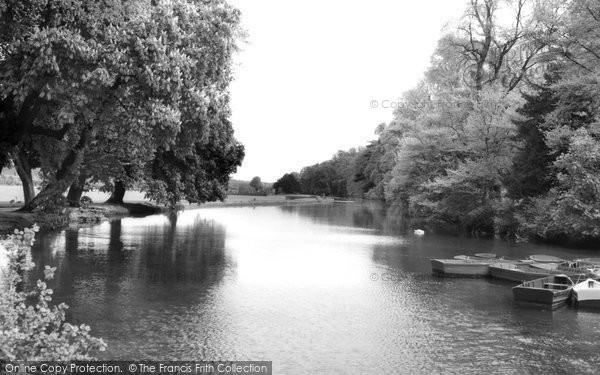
(199, 176)
(88, 78)
(256, 184)
(490, 52)
(289, 183)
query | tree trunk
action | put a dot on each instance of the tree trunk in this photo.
(65, 175)
(24, 171)
(118, 193)
(76, 190)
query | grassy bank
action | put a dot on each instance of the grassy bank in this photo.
(97, 213)
(137, 205)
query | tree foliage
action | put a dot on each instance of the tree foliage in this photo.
(101, 89)
(289, 183)
(501, 135)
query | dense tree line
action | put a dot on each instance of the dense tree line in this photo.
(502, 134)
(119, 93)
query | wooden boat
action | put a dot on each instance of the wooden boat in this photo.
(546, 266)
(546, 259)
(464, 267)
(485, 255)
(551, 291)
(589, 261)
(586, 269)
(460, 267)
(517, 272)
(520, 272)
(587, 294)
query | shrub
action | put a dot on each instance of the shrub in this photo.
(30, 328)
(85, 201)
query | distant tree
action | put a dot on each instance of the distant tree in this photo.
(288, 184)
(256, 184)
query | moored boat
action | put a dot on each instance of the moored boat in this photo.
(464, 267)
(460, 267)
(577, 267)
(546, 259)
(546, 266)
(589, 261)
(520, 272)
(587, 294)
(485, 255)
(462, 257)
(517, 272)
(551, 291)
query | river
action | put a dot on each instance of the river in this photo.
(319, 289)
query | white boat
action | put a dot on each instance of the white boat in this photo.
(587, 293)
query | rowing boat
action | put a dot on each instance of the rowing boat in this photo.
(552, 291)
(465, 267)
(517, 272)
(546, 259)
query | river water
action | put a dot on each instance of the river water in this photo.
(323, 289)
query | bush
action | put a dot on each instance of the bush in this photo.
(31, 329)
(85, 201)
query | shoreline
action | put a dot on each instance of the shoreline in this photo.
(261, 202)
(100, 212)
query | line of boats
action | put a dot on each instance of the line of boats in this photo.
(545, 280)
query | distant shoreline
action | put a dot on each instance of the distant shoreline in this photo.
(269, 200)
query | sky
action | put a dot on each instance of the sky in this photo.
(317, 76)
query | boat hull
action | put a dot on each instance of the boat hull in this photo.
(512, 273)
(546, 259)
(586, 303)
(456, 267)
(587, 294)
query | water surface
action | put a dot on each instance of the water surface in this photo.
(328, 289)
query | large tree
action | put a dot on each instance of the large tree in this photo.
(118, 81)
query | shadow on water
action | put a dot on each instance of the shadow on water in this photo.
(130, 275)
(373, 215)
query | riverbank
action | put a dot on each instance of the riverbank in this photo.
(10, 219)
(71, 216)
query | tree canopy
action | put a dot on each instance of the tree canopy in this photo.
(501, 135)
(289, 183)
(101, 90)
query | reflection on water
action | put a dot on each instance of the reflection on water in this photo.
(331, 289)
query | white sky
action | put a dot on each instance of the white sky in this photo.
(309, 70)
